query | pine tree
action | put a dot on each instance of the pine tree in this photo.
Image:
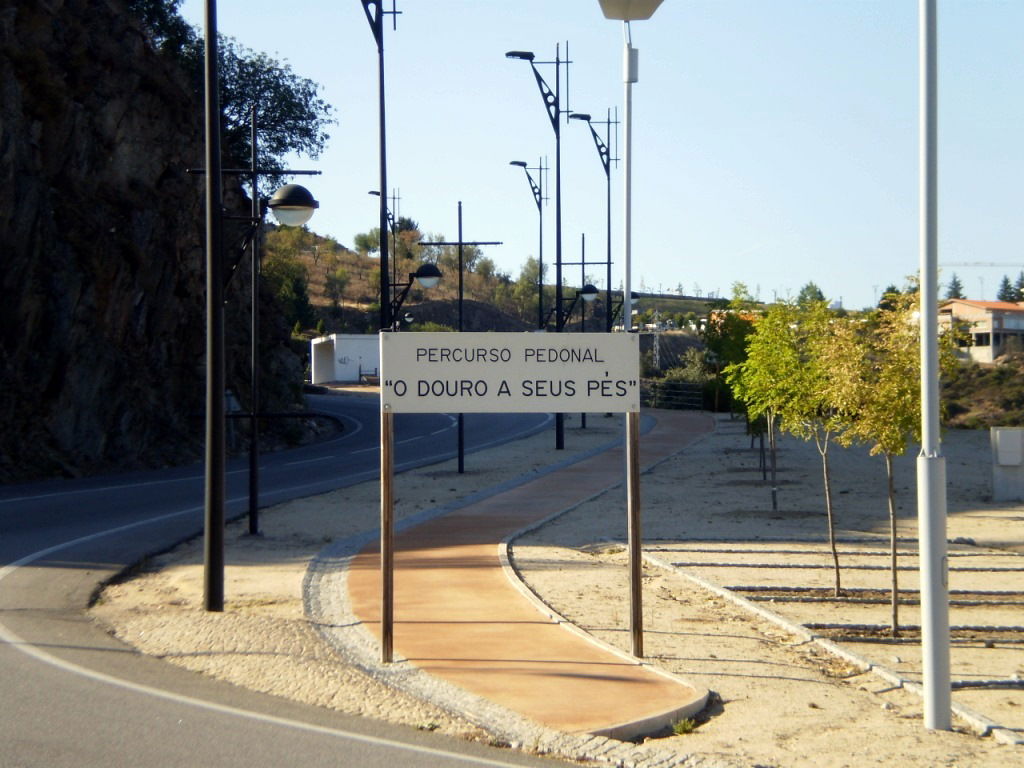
(955, 289)
(1018, 287)
(1006, 292)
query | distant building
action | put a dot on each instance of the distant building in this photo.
(345, 357)
(991, 328)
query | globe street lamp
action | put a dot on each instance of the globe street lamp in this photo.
(427, 276)
(538, 195)
(292, 205)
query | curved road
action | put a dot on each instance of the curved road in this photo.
(74, 696)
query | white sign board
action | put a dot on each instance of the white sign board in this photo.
(509, 372)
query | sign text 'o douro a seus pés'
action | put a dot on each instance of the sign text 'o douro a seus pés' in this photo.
(509, 372)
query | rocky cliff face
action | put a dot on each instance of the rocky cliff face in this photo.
(102, 336)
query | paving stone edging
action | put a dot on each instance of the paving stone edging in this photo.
(325, 601)
(979, 723)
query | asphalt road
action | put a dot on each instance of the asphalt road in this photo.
(71, 695)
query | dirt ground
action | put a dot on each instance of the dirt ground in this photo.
(779, 699)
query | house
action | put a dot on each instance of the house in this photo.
(345, 357)
(991, 328)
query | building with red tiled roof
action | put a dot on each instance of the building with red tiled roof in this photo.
(992, 327)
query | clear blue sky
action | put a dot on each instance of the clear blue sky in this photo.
(775, 141)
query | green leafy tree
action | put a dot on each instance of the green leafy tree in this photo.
(809, 293)
(335, 283)
(955, 289)
(889, 295)
(288, 279)
(878, 386)
(726, 331)
(290, 115)
(367, 242)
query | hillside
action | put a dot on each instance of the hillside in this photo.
(986, 396)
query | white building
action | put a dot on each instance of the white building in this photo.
(345, 357)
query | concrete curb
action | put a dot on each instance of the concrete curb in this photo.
(979, 723)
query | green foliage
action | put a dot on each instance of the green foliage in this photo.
(809, 294)
(286, 277)
(1006, 290)
(684, 727)
(335, 283)
(888, 297)
(431, 327)
(167, 30)
(290, 116)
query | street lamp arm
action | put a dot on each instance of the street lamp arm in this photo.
(550, 99)
(602, 149)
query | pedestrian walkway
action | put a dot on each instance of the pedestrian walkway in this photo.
(459, 617)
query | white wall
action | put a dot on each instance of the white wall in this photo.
(344, 356)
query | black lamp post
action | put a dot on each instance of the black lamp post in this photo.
(213, 484)
(288, 202)
(552, 105)
(393, 228)
(427, 276)
(375, 16)
(536, 187)
(461, 244)
(292, 205)
(606, 163)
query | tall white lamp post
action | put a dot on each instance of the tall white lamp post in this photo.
(931, 464)
(627, 11)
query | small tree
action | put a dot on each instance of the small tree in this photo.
(764, 380)
(877, 384)
(335, 283)
(726, 331)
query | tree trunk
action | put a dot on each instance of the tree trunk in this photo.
(823, 450)
(892, 548)
(772, 445)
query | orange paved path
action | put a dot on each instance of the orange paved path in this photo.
(458, 617)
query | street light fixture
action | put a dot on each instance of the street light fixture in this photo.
(626, 11)
(538, 196)
(292, 205)
(606, 162)
(214, 495)
(375, 14)
(629, 10)
(427, 276)
(552, 105)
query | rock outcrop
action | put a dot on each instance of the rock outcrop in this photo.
(102, 340)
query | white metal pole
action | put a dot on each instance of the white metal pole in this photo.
(629, 76)
(931, 465)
